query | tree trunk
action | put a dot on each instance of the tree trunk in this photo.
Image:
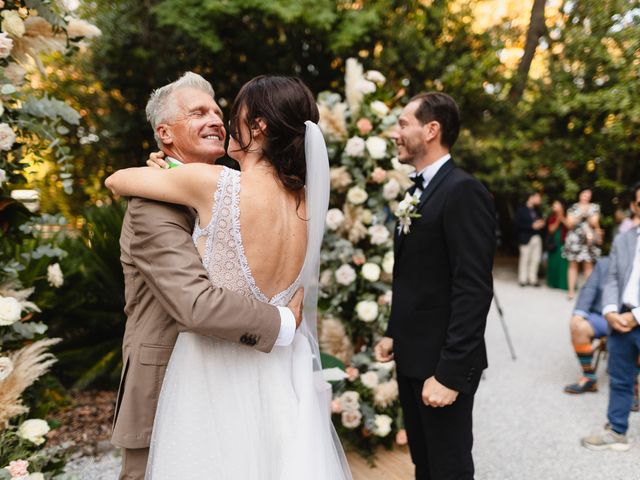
(537, 28)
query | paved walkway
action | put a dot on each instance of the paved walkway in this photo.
(526, 428)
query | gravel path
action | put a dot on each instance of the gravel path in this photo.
(526, 428)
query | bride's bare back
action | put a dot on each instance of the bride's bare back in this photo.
(274, 232)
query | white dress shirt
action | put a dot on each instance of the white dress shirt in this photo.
(429, 172)
(631, 293)
(287, 319)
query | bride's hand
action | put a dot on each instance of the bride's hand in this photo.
(295, 305)
(156, 160)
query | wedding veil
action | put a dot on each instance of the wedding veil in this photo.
(317, 203)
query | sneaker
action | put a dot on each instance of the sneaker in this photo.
(608, 440)
(582, 387)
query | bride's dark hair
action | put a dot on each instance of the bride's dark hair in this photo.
(284, 104)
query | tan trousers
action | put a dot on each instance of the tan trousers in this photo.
(134, 463)
(530, 255)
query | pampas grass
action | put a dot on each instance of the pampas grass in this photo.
(29, 364)
(334, 340)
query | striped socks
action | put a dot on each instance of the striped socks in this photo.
(584, 352)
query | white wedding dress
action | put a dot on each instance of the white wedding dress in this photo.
(230, 412)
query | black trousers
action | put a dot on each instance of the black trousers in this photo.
(440, 438)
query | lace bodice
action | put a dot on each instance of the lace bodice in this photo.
(224, 257)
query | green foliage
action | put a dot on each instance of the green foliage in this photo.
(13, 447)
(92, 323)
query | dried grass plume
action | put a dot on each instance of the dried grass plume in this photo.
(29, 364)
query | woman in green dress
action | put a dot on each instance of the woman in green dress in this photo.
(556, 231)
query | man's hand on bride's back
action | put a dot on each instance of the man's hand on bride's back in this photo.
(295, 305)
(156, 159)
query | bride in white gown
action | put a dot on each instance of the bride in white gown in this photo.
(227, 411)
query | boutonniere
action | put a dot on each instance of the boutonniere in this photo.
(406, 211)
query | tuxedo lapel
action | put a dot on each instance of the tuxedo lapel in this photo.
(435, 181)
(433, 185)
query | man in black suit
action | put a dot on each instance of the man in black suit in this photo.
(442, 291)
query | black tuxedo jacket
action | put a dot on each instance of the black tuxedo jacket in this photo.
(443, 284)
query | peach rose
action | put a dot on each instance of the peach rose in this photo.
(18, 468)
(401, 437)
(379, 175)
(352, 373)
(364, 126)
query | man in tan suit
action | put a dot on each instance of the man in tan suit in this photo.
(166, 286)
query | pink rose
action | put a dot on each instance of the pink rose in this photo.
(364, 126)
(336, 406)
(379, 175)
(401, 437)
(359, 259)
(18, 468)
(352, 373)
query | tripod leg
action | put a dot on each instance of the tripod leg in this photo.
(504, 327)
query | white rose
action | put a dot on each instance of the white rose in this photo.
(345, 275)
(375, 76)
(391, 189)
(351, 419)
(3, 177)
(6, 45)
(357, 195)
(377, 147)
(387, 262)
(371, 272)
(10, 310)
(385, 393)
(12, 23)
(34, 430)
(367, 310)
(54, 275)
(365, 86)
(379, 108)
(335, 217)
(355, 147)
(350, 400)
(35, 476)
(370, 379)
(1, 108)
(7, 137)
(379, 234)
(382, 425)
(6, 367)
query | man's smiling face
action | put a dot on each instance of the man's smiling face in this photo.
(197, 133)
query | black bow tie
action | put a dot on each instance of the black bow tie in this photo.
(418, 181)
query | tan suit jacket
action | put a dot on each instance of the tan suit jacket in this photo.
(167, 291)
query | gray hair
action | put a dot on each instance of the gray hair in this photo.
(161, 108)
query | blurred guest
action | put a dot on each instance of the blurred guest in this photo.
(529, 227)
(556, 233)
(584, 237)
(621, 300)
(586, 324)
